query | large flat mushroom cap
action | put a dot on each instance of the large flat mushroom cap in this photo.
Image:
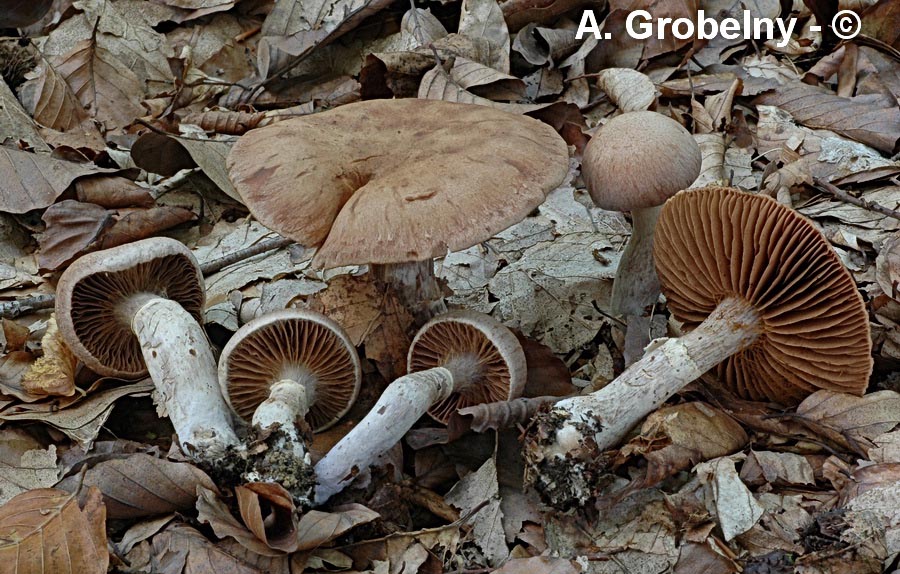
(285, 344)
(469, 335)
(90, 294)
(716, 242)
(638, 160)
(392, 181)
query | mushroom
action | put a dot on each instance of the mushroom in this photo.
(285, 368)
(396, 183)
(635, 162)
(135, 309)
(762, 294)
(458, 359)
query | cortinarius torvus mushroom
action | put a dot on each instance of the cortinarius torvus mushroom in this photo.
(764, 296)
(135, 308)
(285, 368)
(456, 360)
(396, 183)
(635, 162)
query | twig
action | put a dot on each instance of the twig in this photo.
(838, 193)
(217, 265)
(25, 305)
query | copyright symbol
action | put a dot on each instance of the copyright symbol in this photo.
(846, 24)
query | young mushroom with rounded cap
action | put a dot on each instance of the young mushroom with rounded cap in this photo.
(135, 309)
(286, 368)
(395, 183)
(458, 359)
(635, 162)
(763, 296)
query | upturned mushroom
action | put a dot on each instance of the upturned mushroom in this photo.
(135, 309)
(282, 371)
(458, 359)
(635, 162)
(762, 294)
(396, 183)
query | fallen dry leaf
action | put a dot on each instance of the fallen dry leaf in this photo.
(72, 226)
(44, 531)
(630, 90)
(141, 485)
(726, 496)
(676, 438)
(865, 121)
(317, 528)
(34, 181)
(24, 464)
(859, 418)
(471, 493)
(268, 511)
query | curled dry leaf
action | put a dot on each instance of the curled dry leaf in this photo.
(112, 192)
(866, 478)
(676, 438)
(142, 223)
(213, 511)
(54, 373)
(268, 511)
(499, 415)
(142, 485)
(630, 90)
(44, 531)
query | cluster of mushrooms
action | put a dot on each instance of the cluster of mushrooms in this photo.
(758, 289)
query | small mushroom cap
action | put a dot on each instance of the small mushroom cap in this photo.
(285, 345)
(719, 242)
(393, 181)
(468, 336)
(638, 160)
(91, 292)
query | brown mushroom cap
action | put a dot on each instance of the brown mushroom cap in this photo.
(469, 335)
(282, 344)
(638, 160)
(393, 181)
(91, 292)
(719, 242)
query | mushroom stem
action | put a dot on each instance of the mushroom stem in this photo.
(183, 369)
(400, 406)
(580, 428)
(415, 285)
(636, 285)
(287, 403)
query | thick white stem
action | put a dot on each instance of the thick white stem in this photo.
(182, 366)
(400, 406)
(605, 416)
(636, 287)
(286, 404)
